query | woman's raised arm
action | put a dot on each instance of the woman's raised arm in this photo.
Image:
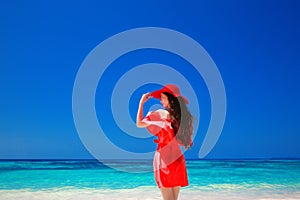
(139, 116)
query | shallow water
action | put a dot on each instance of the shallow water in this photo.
(90, 179)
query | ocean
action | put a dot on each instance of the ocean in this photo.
(90, 179)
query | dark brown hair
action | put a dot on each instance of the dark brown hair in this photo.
(181, 119)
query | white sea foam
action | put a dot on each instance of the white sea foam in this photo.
(144, 193)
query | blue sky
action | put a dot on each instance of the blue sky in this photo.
(255, 45)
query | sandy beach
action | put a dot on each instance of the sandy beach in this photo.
(142, 193)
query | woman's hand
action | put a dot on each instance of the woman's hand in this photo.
(145, 97)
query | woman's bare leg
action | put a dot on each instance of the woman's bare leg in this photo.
(167, 193)
(175, 191)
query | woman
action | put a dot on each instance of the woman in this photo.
(173, 126)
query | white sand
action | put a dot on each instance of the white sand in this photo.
(143, 193)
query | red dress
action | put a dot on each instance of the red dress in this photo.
(169, 163)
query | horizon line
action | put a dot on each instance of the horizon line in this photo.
(187, 159)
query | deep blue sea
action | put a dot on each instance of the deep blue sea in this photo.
(209, 179)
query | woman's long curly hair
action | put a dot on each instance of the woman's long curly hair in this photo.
(181, 119)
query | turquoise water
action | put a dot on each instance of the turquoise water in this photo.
(274, 176)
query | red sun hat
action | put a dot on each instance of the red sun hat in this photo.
(170, 88)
